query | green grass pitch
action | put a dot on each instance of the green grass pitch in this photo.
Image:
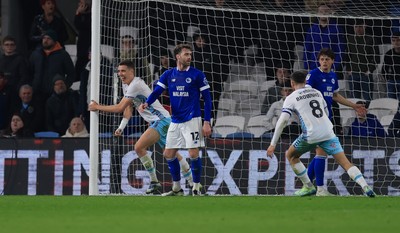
(229, 214)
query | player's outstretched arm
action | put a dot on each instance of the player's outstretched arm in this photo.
(280, 124)
(341, 100)
(116, 108)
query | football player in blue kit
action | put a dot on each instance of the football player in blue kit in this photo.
(187, 130)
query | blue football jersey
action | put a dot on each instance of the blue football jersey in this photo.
(326, 83)
(184, 89)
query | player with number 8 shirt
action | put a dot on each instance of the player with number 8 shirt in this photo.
(317, 131)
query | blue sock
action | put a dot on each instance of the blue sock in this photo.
(195, 165)
(310, 170)
(319, 168)
(174, 169)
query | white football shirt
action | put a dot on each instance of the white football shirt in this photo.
(310, 106)
(138, 91)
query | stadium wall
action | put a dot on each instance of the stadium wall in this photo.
(233, 167)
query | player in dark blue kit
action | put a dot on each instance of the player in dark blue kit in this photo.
(325, 80)
(184, 84)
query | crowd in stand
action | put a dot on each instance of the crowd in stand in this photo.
(35, 93)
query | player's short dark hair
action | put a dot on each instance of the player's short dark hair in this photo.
(179, 47)
(298, 77)
(128, 63)
(326, 52)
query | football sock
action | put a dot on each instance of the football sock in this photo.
(356, 175)
(196, 186)
(149, 165)
(301, 172)
(319, 169)
(310, 170)
(196, 169)
(186, 171)
(176, 186)
(174, 169)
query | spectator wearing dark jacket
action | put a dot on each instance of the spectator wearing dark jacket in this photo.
(61, 107)
(48, 61)
(31, 111)
(16, 128)
(14, 66)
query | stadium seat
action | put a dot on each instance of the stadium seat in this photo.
(240, 135)
(229, 124)
(243, 89)
(386, 121)
(108, 52)
(46, 134)
(257, 73)
(191, 30)
(106, 135)
(226, 107)
(379, 81)
(248, 108)
(71, 50)
(250, 55)
(383, 107)
(265, 86)
(299, 53)
(257, 125)
(343, 87)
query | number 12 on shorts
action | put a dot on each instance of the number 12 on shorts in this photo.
(195, 136)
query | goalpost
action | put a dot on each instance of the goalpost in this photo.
(246, 44)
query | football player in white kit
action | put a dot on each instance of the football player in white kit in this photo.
(136, 92)
(317, 130)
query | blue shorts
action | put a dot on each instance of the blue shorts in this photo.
(331, 146)
(161, 126)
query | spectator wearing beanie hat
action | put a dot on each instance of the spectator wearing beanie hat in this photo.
(47, 61)
(47, 20)
(61, 107)
(52, 34)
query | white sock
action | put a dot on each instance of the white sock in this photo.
(356, 175)
(186, 171)
(176, 186)
(147, 162)
(196, 186)
(301, 172)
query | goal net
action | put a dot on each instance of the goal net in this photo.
(245, 48)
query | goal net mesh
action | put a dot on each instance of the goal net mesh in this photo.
(244, 48)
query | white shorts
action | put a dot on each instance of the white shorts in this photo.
(185, 135)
